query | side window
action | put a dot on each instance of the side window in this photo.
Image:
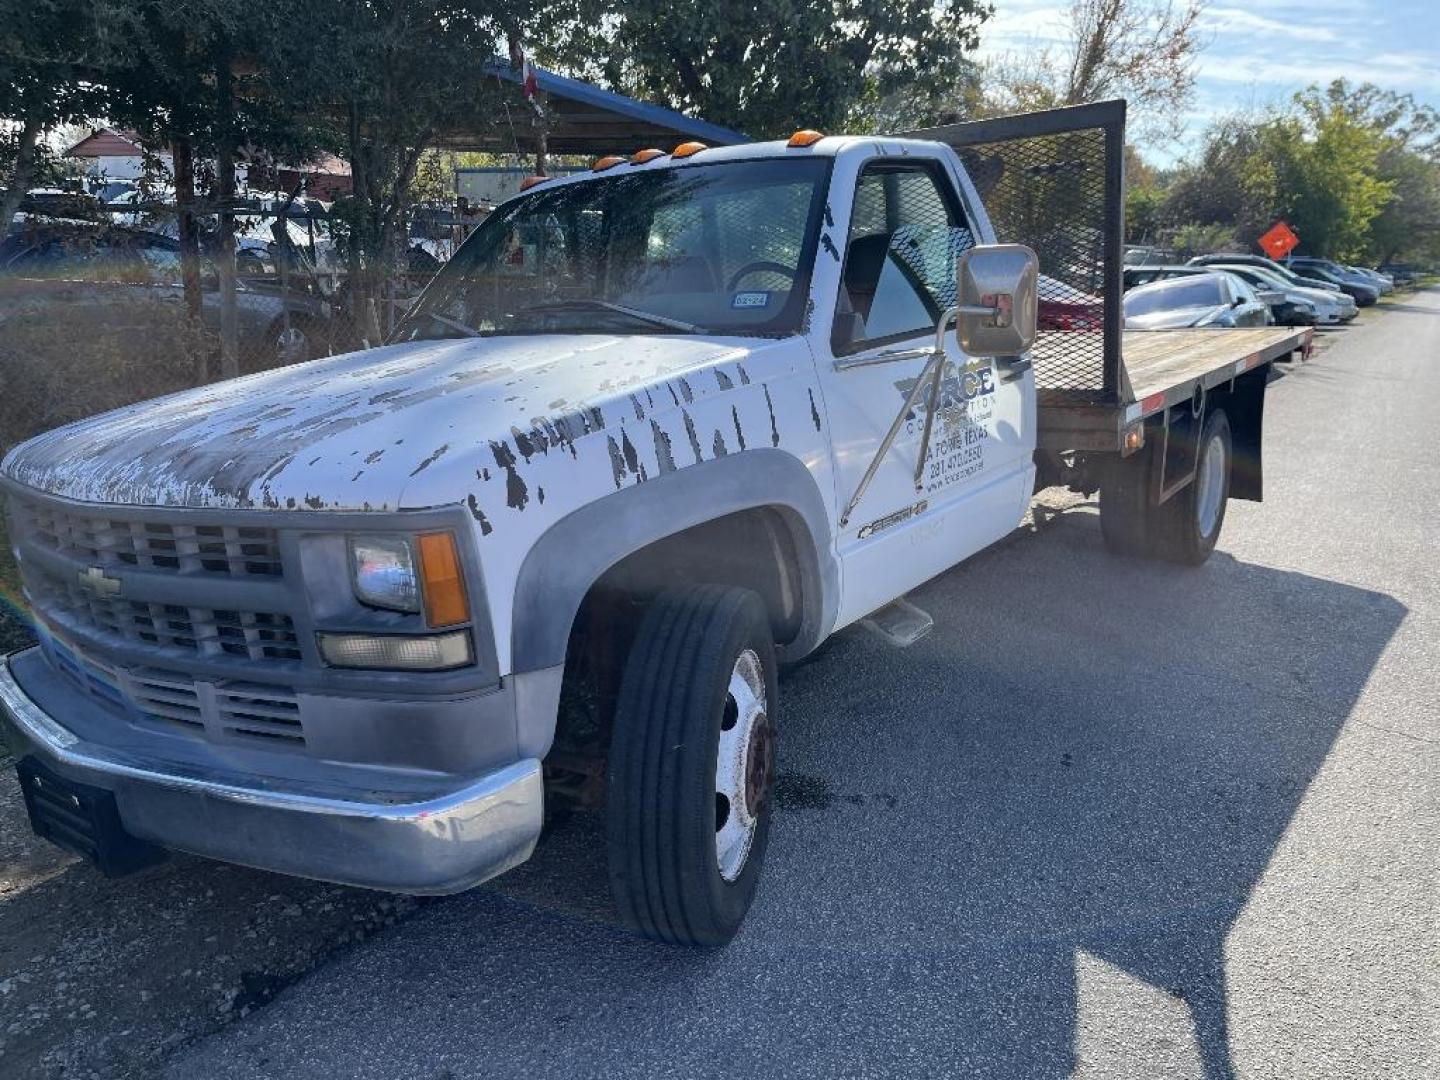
(905, 238)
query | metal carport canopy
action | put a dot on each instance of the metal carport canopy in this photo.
(580, 119)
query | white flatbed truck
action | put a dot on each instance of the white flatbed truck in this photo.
(653, 431)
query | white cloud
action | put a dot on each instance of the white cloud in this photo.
(1259, 52)
(1236, 19)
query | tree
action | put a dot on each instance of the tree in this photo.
(49, 51)
(1234, 182)
(766, 67)
(1142, 50)
(1326, 162)
(1408, 160)
(390, 77)
(950, 92)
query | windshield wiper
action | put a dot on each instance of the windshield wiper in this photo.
(584, 302)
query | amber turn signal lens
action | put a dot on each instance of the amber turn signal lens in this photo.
(607, 162)
(646, 155)
(442, 582)
(805, 137)
(688, 149)
(531, 181)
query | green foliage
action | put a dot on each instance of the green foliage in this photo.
(1188, 241)
(767, 67)
(1233, 184)
(1144, 213)
(1326, 162)
(1355, 171)
(390, 76)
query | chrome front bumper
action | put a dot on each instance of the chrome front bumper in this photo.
(443, 844)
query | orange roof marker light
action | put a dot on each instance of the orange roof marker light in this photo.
(643, 156)
(609, 161)
(688, 149)
(531, 181)
(805, 137)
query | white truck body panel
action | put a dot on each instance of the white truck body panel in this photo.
(524, 430)
(194, 551)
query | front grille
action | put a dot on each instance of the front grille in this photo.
(172, 701)
(169, 698)
(259, 712)
(253, 635)
(232, 550)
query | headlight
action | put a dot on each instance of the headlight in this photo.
(383, 571)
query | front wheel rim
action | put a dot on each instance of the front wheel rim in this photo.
(1212, 485)
(743, 765)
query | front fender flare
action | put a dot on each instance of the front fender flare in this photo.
(571, 556)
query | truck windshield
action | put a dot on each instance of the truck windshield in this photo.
(722, 248)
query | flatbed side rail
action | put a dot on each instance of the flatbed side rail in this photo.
(1055, 181)
(1217, 357)
(1169, 368)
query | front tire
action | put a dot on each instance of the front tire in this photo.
(692, 766)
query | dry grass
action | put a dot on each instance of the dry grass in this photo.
(70, 350)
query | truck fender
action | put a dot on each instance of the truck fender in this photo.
(572, 554)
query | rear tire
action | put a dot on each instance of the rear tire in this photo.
(1184, 530)
(684, 857)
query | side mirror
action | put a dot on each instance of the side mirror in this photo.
(996, 292)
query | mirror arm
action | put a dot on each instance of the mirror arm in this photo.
(934, 373)
(948, 316)
(936, 360)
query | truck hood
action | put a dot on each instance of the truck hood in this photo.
(350, 432)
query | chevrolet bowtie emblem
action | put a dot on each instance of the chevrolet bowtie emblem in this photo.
(98, 582)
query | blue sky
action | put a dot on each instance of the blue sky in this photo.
(1259, 52)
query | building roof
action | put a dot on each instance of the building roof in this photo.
(583, 119)
(106, 142)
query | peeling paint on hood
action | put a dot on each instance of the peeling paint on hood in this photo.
(350, 432)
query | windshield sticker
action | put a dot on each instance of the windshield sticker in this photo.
(750, 300)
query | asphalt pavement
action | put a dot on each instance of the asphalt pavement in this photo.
(1111, 819)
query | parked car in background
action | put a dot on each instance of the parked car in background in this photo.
(1240, 258)
(276, 326)
(1285, 309)
(1385, 282)
(1064, 307)
(1328, 308)
(1364, 293)
(1402, 274)
(1147, 255)
(1215, 300)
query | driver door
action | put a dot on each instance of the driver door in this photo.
(907, 231)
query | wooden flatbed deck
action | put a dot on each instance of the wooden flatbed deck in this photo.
(1162, 367)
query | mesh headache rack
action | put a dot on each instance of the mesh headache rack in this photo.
(1055, 181)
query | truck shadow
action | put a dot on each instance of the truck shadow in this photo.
(1086, 768)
